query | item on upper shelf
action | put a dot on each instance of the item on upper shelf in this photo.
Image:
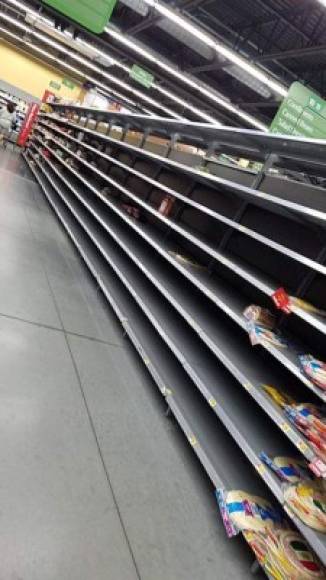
(46, 153)
(308, 419)
(133, 211)
(285, 555)
(287, 303)
(261, 327)
(186, 260)
(106, 191)
(259, 315)
(308, 501)
(166, 205)
(289, 469)
(314, 369)
(243, 511)
(259, 334)
(279, 397)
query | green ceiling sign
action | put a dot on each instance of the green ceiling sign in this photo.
(141, 76)
(68, 83)
(92, 14)
(302, 113)
(55, 85)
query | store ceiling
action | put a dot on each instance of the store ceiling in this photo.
(285, 38)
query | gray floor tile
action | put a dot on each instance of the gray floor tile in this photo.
(58, 518)
(25, 293)
(173, 526)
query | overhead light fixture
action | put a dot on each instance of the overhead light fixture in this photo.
(194, 83)
(121, 65)
(90, 65)
(185, 104)
(190, 81)
(71, 68)
(229, 54)
(241, 75)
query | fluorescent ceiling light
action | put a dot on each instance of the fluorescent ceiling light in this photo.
(121, 65)
(194, 83)
(90, 65)
(185, 104)
(187, 25)
(71, 68)
(190, 81)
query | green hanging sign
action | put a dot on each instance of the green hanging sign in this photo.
(141, 76)
(55, 85)
(302, 113)
(91, 14)
(68, 83)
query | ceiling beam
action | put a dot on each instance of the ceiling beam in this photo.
(153, 20)
(265, 5)
(259, 104)
(211, 66)
(294, 53)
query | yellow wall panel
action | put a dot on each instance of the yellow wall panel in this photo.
(31, 75)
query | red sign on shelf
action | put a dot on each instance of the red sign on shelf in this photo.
(28, 123)
(281, 300)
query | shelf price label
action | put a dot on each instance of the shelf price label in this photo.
(302, 446)
(248, 387)
(285, 427)
(260, 467)
(212, 402)
(192, 440)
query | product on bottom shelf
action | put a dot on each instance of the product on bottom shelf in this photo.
(302, 493)
(308, 501)
(282, 552)
(243, 511)
(261, 327)
(314, 369)
(285, 555)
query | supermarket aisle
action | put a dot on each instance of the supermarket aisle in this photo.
(96, 484)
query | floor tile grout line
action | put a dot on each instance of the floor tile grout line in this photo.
(90, 419)
(15, 176)
(45, 272)
(61, 330)
(93, 429)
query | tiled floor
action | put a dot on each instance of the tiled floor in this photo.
(96, 483)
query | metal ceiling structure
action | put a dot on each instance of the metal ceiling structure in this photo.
(285, 39)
